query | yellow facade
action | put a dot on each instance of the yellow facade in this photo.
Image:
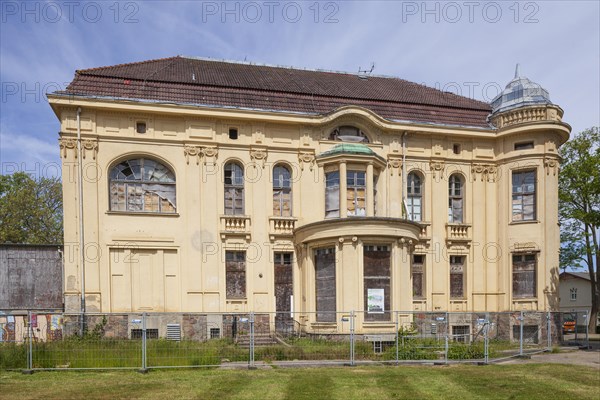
(175, 260)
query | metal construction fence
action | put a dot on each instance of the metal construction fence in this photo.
(48, 340)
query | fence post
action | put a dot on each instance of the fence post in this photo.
(352, 338)
(549, 331)
(144, 368)
(251, 357)
(521, 319)
(486, 341)
(30, 334)
(397, 333)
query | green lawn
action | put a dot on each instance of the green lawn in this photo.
(523, 381)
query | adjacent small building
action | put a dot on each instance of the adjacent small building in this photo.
(575, 292)
(212, 186)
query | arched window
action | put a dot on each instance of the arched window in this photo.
(455, 199)
(234, 189)
(142, 185)
(282, 191)
(348, 133)
(414, 200)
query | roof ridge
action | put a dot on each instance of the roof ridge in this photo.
(77, 71)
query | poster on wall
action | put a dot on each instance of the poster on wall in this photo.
(375, 303)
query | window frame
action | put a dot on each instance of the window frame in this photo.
(279, 185)
(235, 186)
(453, 197)
(332, 191)
(237, 270)
(378, 279)
(143, 185)
(519, 196)
(353, 190)
(573, 292)
(456, 265)
(418, 268)
(530, 261)
(411, 196)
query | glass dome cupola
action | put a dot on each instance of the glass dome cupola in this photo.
(520, 92)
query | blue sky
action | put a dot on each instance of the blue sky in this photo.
(470, 48)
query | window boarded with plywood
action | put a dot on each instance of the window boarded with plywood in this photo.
(376, 261)
(325, 284)
(235, 274)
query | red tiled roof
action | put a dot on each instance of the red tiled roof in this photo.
(184, 80)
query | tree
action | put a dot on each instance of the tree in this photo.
(579, 209)
(30, 209)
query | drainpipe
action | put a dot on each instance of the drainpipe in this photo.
(81, 237)
(404, 213)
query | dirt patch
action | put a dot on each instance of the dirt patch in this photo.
(590, 358)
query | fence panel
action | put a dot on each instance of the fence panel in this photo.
(51, 340)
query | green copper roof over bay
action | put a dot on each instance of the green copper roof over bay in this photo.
(348, 148)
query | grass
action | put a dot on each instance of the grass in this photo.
(121, 353)
(520, 381)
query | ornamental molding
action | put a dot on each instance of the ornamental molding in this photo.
(209, 153)
(551, 164)
(89, 145)
(194, 152)
(306, 157)
(485, 172)
(259, 155)
(394, 164)
(437, 168)
(67, 144)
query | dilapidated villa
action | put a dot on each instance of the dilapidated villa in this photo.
(213, 186)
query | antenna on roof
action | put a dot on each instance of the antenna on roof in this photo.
(364, 73)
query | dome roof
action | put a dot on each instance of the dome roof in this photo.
(520, 92)
(348, 148)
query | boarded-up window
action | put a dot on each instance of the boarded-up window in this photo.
(418, 275)
(455, 199)
(523, 196)
(234, 189)
(376, 261)
(524, 266)
(325, 284)
(414, 197)
(457, 277)
(284, 290)
(235, 274)
(282, 192)
(332, 194)
(356, 193)
(142, 185)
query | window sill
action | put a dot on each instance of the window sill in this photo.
(533, 221)
(524, 299)
(143, 213)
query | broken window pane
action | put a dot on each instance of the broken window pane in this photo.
(142, 185)
(523, 195)
(524, 275)
(356, 193)
(235, 274)
(457, 277)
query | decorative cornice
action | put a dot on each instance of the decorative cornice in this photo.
(486, 172)
(528, 114)
(67, 144)
(90, 145)
(193, 151)
(551, 164)
(394, 164)
(259, 155)
(306, 157)
(437, 167)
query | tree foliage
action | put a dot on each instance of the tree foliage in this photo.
(31, 210)
(579, 208)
